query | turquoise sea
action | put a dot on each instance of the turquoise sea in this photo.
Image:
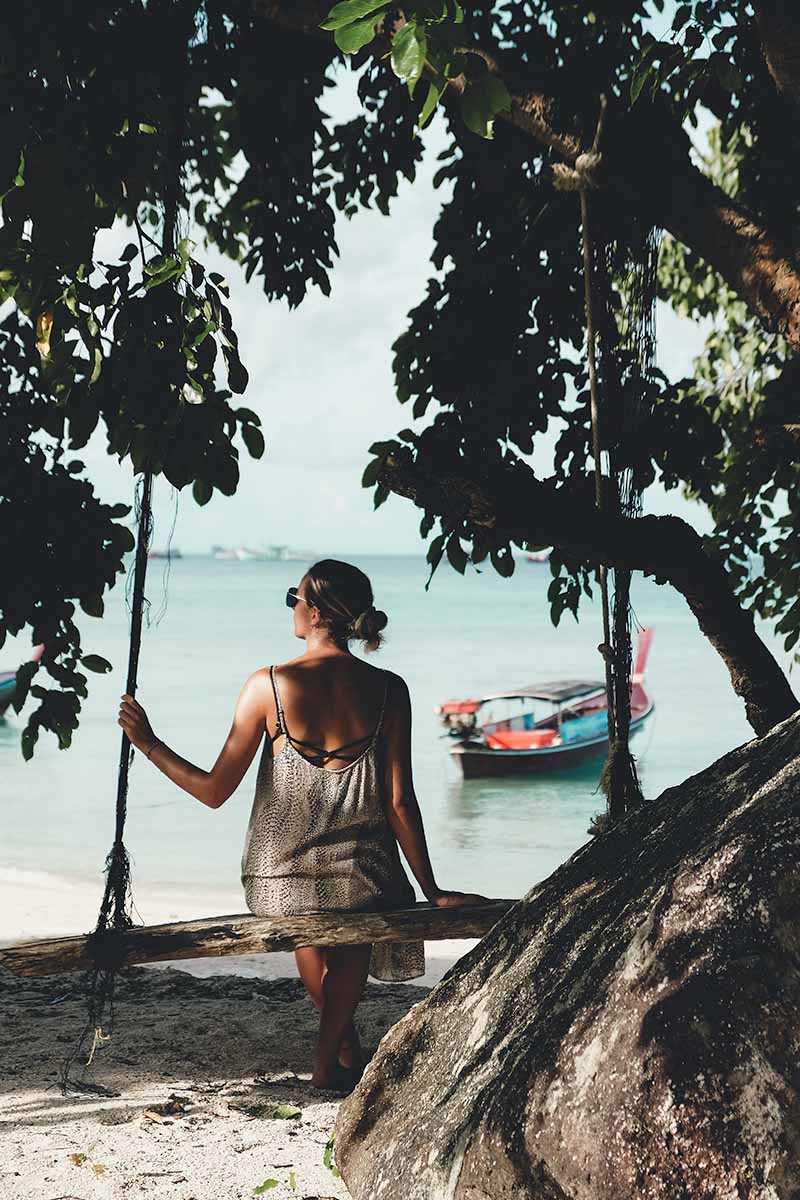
(214, 622)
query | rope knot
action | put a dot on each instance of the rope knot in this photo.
(585, 175)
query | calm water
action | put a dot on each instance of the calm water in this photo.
(465, 636)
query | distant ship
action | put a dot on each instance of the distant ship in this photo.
(271, 554)
(164, 554)
(539, 556)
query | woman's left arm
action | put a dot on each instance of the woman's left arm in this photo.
(213, 787)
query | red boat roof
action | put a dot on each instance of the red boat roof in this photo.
(453, 707)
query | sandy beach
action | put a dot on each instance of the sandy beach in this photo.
(202, 1091)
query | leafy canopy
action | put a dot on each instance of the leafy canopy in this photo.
(210, 110)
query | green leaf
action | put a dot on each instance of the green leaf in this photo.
(435, 90)
(283, 1112)
(348, 11)
(482, 100)
(292, 1181)
(371, 472)
(97, 364)
(238, 377)
(254, 440)
(169, 272)
(94, 662)
(93, 605)
(202, 491)
(220, 282)
(643, 71)
(456, 555)
(247, 415)
(682, 16)
(409, 48)
(30, 736)
(158, 263)
(383, 448)
(24, 676)
(265, 1186)
(693, 38)
(503, 562)
(145, 128)
(436, 549)
(380, 496)
(352, 38)
(184, 249)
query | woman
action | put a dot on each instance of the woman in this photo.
(334, 797)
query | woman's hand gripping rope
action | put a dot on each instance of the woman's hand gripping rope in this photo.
(133, 720)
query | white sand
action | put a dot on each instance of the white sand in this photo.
(231, 1037)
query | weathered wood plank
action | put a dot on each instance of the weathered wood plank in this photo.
(246, 934)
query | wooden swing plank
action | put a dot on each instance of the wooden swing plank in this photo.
(246, 934)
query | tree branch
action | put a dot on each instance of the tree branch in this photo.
(647, 160)
(528, 510)
(779, 26)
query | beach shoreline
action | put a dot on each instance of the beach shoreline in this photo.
(202, 1090)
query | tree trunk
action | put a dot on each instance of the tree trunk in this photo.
(779, 27)
(525, 509)
(209, 937)
(629, 1029)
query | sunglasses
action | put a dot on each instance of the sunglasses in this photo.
(292, 598)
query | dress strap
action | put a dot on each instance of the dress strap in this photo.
(278, 705)
(383, 707)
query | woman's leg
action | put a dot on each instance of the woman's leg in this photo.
(311, 967)
(342, 988)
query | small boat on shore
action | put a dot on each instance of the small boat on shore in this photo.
(8, 681)
(492, 741)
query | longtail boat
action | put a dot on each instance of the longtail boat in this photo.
(491, 740)
(8, 681)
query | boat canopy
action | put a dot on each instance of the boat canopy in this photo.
(557, 691)
(455, 708)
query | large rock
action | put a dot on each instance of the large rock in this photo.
(629, 1030)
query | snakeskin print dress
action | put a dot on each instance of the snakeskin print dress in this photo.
(318, 840)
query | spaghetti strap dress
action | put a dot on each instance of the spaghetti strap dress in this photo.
(318, 840)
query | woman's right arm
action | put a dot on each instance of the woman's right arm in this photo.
(402, 809)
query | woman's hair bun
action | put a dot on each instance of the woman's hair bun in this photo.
(367, 627)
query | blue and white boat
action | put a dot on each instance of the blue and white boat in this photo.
(505, 734)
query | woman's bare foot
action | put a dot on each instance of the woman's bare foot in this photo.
(351, 1054)
(335, 1078)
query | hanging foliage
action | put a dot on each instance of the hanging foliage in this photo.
(491, 356)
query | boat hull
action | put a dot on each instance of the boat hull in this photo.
(478, 761)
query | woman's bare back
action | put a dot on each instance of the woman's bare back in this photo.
(331, 703)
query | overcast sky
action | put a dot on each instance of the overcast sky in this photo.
(321, 380)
